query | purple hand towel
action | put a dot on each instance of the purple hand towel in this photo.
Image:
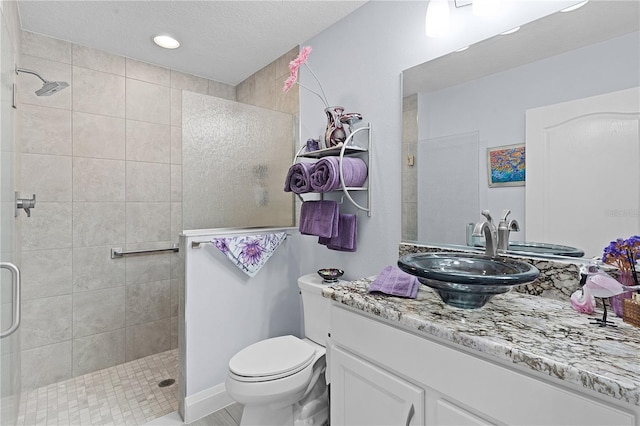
(395, 282)
(325, 176)
(298, 178)
(347, 233)
(319, 218)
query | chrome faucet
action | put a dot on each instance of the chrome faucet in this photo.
(504, 229)
(488, 229)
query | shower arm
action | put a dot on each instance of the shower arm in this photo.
(24, 70)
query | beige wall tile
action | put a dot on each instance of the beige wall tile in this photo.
(45, 321)
(176, 145)
(176, 221)
(95, 179)
(180, 80)
(12, 22)
(174, 334)
(56, 359)
(46, 273)
(176, 107)
(50, 70)
(98, 224)
(147, 302)
(148, 222)
(176, 283)
(98, 351)
(44, 47)
(47, 176)
(147, 72)
(176, 182)
(98, 136)
(98, 60)
(148, 182)
(97, 92)
(98, 311)
(148, 142)
(94, 269)
(141, 269)
(48, 227)
(148, 102)
(44, 130)
(148, 338)
(222, 90)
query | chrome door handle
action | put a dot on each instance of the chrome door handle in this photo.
(15, 282)
(410, 415)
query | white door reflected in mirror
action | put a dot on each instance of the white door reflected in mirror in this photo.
(583, 171)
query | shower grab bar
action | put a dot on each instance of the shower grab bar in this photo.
(117, 252)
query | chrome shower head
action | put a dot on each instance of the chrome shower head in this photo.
(51, 87)
(48, 87)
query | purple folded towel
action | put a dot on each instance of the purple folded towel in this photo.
(319, 218)
(347, 233)
(326, 174)
(298, 178)
(395, 282)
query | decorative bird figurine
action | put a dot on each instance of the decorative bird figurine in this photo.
(603, 286)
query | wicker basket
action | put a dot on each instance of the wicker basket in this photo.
(631, 310)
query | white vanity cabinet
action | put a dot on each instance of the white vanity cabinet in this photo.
(368, 395)
(385, 375)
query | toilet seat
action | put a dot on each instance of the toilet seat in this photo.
(271, 359)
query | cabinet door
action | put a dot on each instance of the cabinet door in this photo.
(447, 414)
(363, 394)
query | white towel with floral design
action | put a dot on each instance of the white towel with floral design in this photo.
(249, 252)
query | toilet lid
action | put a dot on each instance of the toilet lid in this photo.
(278, 356)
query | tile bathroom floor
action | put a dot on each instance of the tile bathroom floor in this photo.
(125, 394)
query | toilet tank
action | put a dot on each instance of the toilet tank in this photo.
(315, 308)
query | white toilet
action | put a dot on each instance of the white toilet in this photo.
(281, 380)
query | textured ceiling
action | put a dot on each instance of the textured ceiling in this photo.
(226, 41)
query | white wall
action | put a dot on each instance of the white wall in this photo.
(225, 310)
(359, 61)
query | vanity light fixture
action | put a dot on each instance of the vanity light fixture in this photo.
(166, 41)
(575, 6)
(437, 19)
(511, 31)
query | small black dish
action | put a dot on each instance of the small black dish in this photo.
(330, 275)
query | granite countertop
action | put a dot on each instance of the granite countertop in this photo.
(542, 334)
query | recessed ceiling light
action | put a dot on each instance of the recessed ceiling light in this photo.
(166, 41)
(575, 6)
(511, 31)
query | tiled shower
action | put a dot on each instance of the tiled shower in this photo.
(104, 158)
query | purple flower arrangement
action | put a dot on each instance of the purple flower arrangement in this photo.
(624, 254)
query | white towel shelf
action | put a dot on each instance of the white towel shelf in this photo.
(349, 147)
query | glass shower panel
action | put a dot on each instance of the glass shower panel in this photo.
(10, 345)
(234, 161)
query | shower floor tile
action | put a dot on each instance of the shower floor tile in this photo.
(125, 394)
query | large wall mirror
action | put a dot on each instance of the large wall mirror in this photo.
(459, 107)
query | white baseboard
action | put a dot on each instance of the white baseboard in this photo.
(205, 402)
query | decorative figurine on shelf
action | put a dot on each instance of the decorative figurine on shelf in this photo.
(335, 132)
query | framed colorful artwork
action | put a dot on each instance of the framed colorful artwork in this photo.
(506, 165)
